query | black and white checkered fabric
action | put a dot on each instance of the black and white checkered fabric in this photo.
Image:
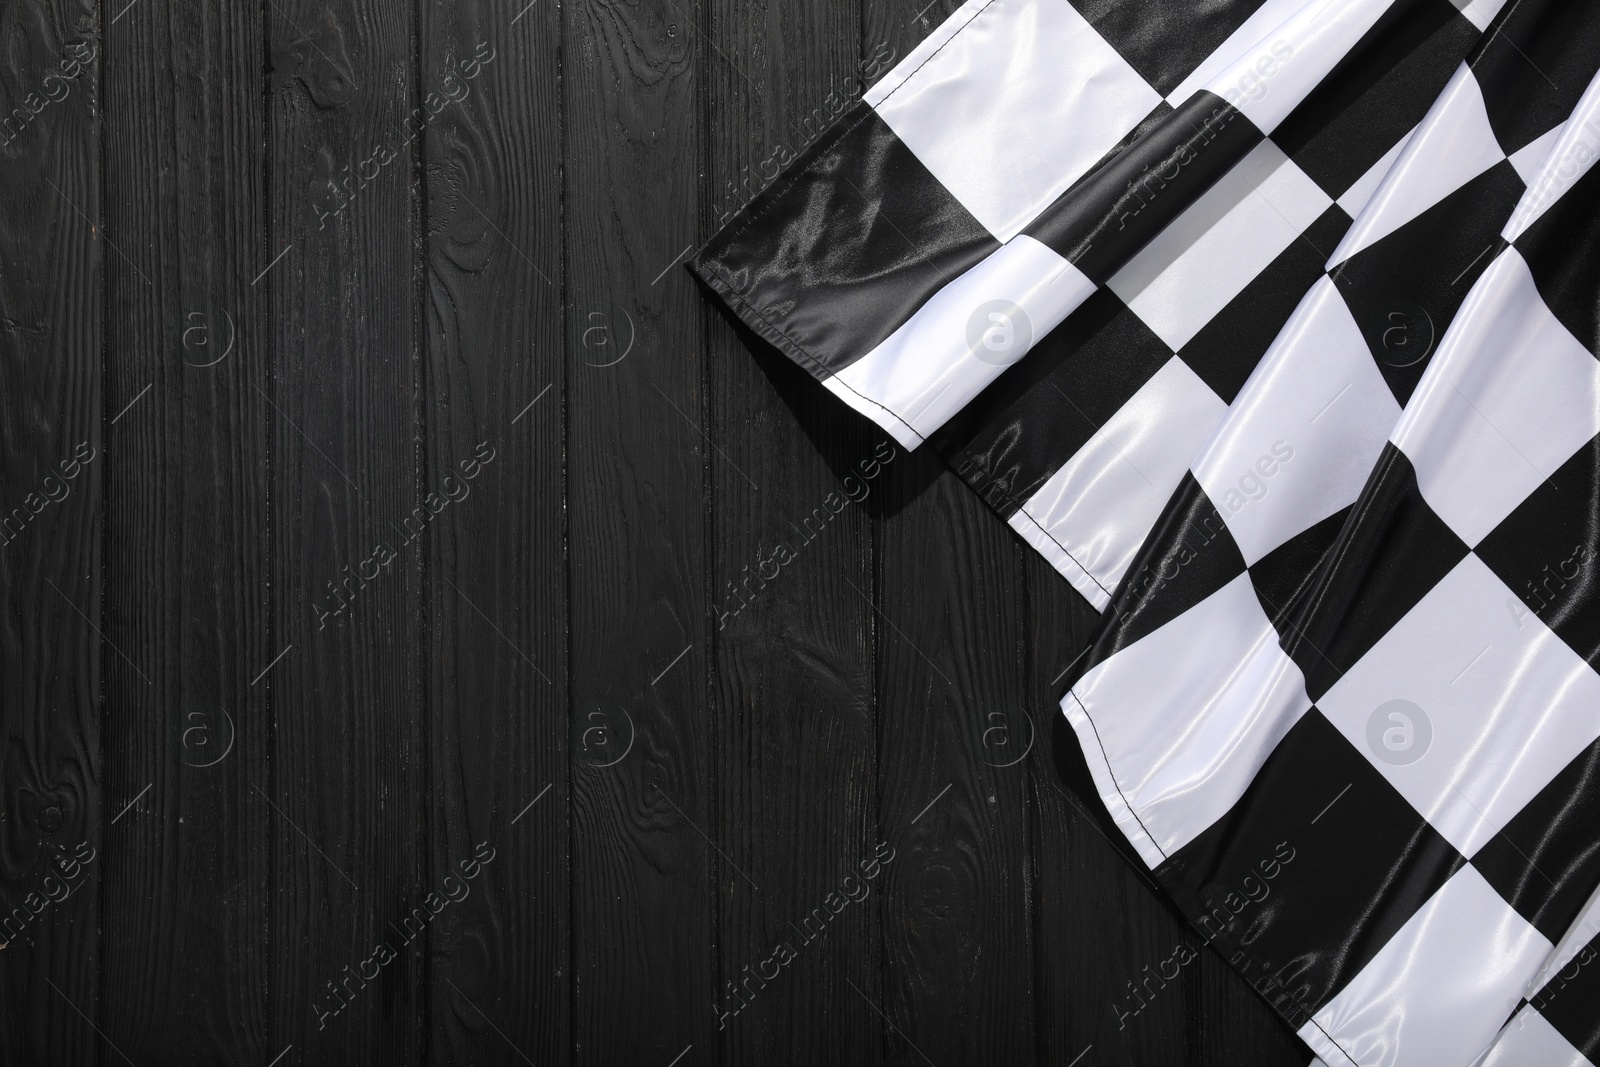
(1309, 401)
(1167, 182)
(1396, 675)
(1558, 1025)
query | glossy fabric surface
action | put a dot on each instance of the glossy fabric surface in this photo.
(1319, 431)
(1428, 892)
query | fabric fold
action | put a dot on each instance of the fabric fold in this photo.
(1436, 757)
(1273, 328)
(1036, 203)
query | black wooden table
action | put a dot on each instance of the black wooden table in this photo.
(433, 633)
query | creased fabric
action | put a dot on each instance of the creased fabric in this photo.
(1557, 1025)
(980, 194)
(1355, 628)
(1274, 328)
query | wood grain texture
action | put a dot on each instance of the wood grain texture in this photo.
(1101, 920)
(186, 866)
(350, 521)
(793, 705)
(957, 979)
(468, 549)
(496, 599)
(52, 272)
(645, 868)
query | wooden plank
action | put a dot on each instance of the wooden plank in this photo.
(958, 970)
(718, 761)
(1101, 921)
(794, 736)
(353, 892)
(957, 981)
(644, 864)
(52, 263)
(494, 376)
(187, 864)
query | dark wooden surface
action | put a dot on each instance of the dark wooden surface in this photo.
(435, 523)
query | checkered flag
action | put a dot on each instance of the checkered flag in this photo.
(1295, 377)
(1396, 683)
(1558, 1025)
(1074, 284)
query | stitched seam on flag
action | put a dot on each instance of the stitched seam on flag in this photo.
(736, 297)
(1334, 1042)
(1037, 525)
(1113, 775)
(1021, 507)
(989, 486)
(733, 292)
(1154, 844)
(756, 216)
(725, 286)
(963, 29)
